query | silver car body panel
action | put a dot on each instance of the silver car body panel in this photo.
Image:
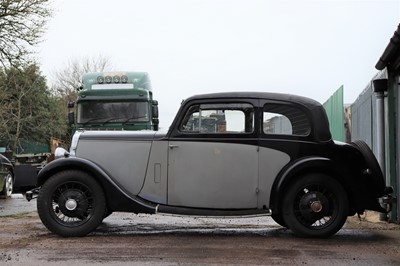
(155, 185)
(271, 162)
(193, 174)
(212, 175)
(129, 160)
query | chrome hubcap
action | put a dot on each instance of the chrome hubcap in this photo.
(316, 206)
(71, 204)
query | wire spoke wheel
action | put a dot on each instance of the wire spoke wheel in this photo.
(71, 203)
(316, 206)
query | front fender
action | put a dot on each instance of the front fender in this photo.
(70, 163)
(117, 198)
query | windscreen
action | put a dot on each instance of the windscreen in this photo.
(112, 112)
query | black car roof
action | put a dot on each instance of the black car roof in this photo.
(317, 111)
(259, 95)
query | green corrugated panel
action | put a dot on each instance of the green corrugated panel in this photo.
(334, 108)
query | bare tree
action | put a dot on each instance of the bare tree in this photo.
(5, 106)
(21, 25)
(67, 80)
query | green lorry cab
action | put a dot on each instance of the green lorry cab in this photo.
(115, 101)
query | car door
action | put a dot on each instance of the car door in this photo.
(213, 158)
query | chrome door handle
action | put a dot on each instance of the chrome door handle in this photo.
(173, 146)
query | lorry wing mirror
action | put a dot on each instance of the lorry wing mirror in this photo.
(154, 108)
(156, 122)
(70, 104)
(71, 118)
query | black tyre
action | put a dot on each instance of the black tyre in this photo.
(278, 218)
(316, 205)
(71, 203)
(107, 213)
(7, 189)
(377, 182)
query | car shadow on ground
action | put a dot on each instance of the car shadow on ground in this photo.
(349, 234)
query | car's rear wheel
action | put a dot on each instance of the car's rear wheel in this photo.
(316, 205)
(278, 218)
(71, 203)
(7, 187)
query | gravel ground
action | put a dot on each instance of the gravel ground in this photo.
(130, 239)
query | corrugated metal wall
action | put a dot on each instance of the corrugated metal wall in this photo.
(363, 115)
(334, 108)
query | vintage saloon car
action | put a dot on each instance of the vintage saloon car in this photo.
(225, 154)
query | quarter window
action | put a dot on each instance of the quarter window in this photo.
(219, 119)
(285, 120)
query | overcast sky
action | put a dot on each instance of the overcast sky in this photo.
(189, 47)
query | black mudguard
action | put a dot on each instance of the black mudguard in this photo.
(117, 198)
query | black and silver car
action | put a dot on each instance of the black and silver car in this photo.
(225, 154)
(6, 177)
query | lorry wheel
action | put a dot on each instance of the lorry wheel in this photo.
(7, 187)
(316, 205)
(71, 203)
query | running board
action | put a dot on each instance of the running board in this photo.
(211, 212)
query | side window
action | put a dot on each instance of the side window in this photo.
(224, 118)
(283, 119)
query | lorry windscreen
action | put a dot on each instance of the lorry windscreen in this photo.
(112, 111)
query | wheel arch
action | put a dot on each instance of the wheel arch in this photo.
(117, 199)
(307, 165)
(70, 164)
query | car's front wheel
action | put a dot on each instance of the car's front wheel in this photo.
(71, 203)
(8, 186)
(316, 205)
